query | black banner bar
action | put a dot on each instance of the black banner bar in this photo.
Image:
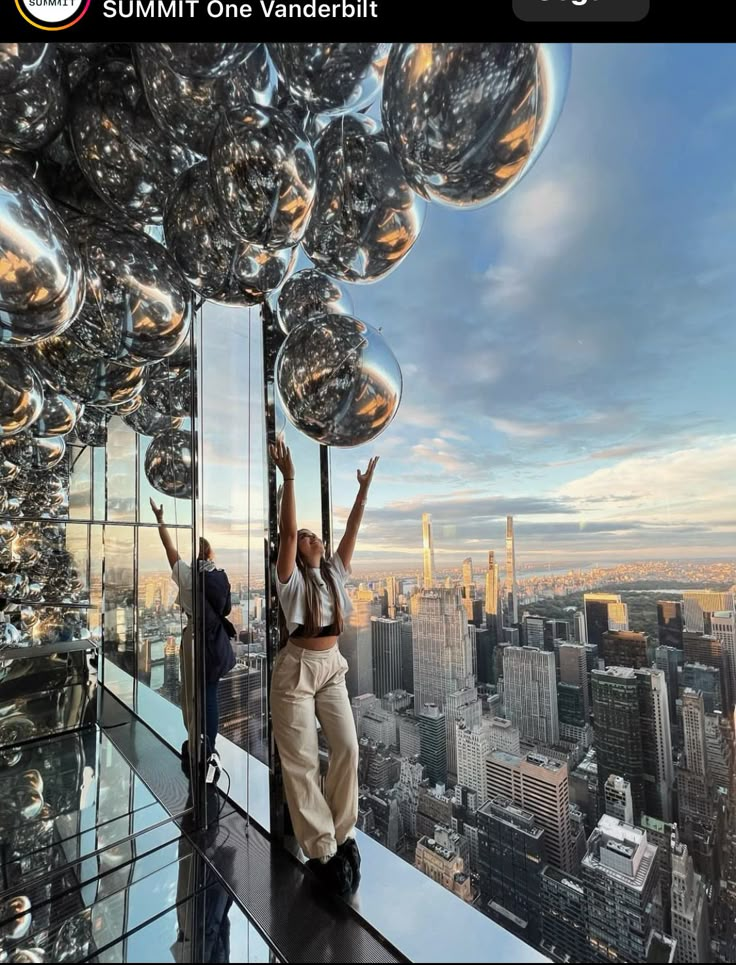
(593, 21)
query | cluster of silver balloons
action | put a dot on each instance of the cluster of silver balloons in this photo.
(243, 154)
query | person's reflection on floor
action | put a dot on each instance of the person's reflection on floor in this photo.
(203, 916)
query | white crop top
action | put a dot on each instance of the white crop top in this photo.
(292, 596)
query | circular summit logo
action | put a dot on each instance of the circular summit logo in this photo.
(52, 14)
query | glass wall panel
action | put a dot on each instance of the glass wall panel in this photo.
(119, 642)
(232, 516)
(121, 471)
(80, 481)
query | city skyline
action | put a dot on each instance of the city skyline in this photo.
(548, 316)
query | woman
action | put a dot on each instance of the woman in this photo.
(219, 656)
(308, 684)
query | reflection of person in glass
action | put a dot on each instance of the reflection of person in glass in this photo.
(219, 656)
(308, 683)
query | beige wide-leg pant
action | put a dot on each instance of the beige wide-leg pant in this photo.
(308, 685)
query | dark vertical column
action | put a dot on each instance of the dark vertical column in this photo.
(325, 497)
(199, 772)
(272, 339)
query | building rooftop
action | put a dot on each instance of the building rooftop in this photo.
(569, 881)
(620, 852)
(623, 673)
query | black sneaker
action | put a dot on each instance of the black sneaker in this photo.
(336, 874)
(349, 850)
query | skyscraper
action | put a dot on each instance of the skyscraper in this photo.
(564, 917)
(723, 628)
(581, 630)
(474, 744)
(511, 855)
(512, 600)
(468, 582)
(386, 644)
(493, 608)
(617, 738)
(407, 654)
(356, 644)
(656, 743)
(532, 631)
(624, 648)
(689, 908)
(540, 785)
(698, 676)
(574, 670)
(665, 659)
(433, 743)
(483, 654)
(620, 875)
(443, 659)
(699, 605)
(618, 799)
(696, 811)
(530, 693)
(461, 706)
(693, 726)
(710, 650)
(428, 547)
(670, 623)
(604, 611)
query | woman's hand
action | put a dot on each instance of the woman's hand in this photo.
(158, 511)
(282, 458)
(366, 478)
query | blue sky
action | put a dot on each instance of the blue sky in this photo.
(568, 351)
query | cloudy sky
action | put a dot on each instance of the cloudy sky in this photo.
(568, 352)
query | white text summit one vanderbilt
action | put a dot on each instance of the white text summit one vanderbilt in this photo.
(268, 9)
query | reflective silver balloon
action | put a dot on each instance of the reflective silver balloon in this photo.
(41, 276)
(84, 378)
(467, 121)
(27, 545)
(366, 218)
(18, 62)
(13, 586)
(91, 427)
(263, 175)
(49, 451)
(123, 153)
(9, 635)
(28, 617)
(308, 295)
(149, 421)
(338, 381)
(8, 471)
(13, 507)
(21, 394)
(16, 918)
(138, 306)
(188, 108)
(58, 415)
(70, 51)
(170, 394)
(203, 59)
(221, 267)
(168, 463)
(332, 78)
(34, 111)
(128, 408)
(75, 939)
(34, 593)
(33, 955)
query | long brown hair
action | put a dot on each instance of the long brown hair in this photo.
(313, 601)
